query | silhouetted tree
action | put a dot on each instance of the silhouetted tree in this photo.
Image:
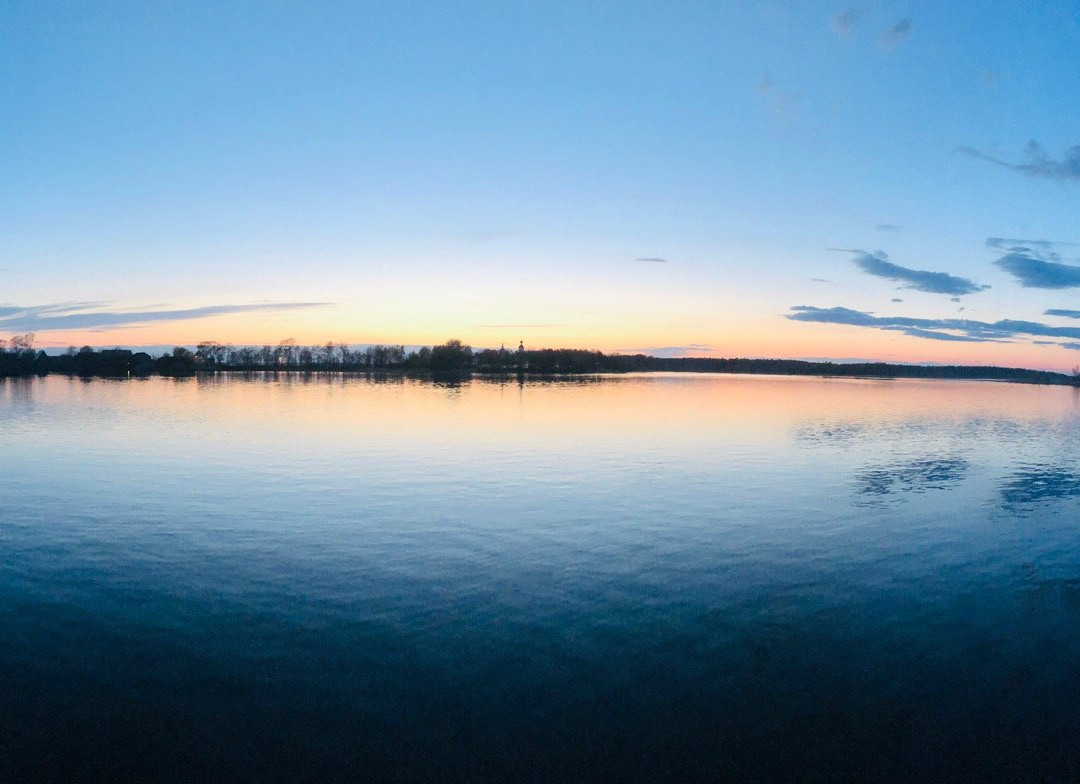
(287, 353)
(452, 356)
(419, 360)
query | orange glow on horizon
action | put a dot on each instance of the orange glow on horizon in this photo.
(776, 338)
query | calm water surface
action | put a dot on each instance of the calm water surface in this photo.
(650, 578)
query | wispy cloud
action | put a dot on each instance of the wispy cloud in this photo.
(887, 227)
(1038, 165)
(488, 235)
(896, 299)
(844, 22)
(877, 263)
(1036, 263)
(1035, 272)
(783, 104)
(964, 330)
(896, 34)
(651, 260)
(517, 326)
(689, 350)
(1016, 243)
(96, 315)
(1073, 314)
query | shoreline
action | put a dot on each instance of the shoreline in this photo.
(882, 372)
(455, 359)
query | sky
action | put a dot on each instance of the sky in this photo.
(893, 181)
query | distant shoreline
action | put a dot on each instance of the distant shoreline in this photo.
(455, 360)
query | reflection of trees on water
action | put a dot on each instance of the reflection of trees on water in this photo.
(935, 473)
(16, 397)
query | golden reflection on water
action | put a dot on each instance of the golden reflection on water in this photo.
(648, 402)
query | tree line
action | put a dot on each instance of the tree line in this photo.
(19, 358)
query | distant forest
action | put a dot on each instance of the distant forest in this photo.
(18, 357)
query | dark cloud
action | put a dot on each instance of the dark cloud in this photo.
(948, 337)
(1036, 263)
(844, 22)
(896, 299)
(1039, 165)
(1035, 272)
(964, 330)
(820, 280)
(896, 34)
(90, 315)
(887, 227)
(877, 263)
(651, 259)
(1073, 314)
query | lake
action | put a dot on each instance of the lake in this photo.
(633, 578)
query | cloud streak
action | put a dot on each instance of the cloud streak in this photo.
(783, 104)
(1034, 272)
(877, 264)
(959, 330)
(94, 315)
(518, 326)
(1016, 243)
(651, 260)
(689, 350)
(1039, 165)
(896, 34)
(844, 22)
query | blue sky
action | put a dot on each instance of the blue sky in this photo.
(410, 172)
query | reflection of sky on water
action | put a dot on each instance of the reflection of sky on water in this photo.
(1039, 590)
(462, 583)
(930, 425)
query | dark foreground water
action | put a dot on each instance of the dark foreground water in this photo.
(656, 578)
